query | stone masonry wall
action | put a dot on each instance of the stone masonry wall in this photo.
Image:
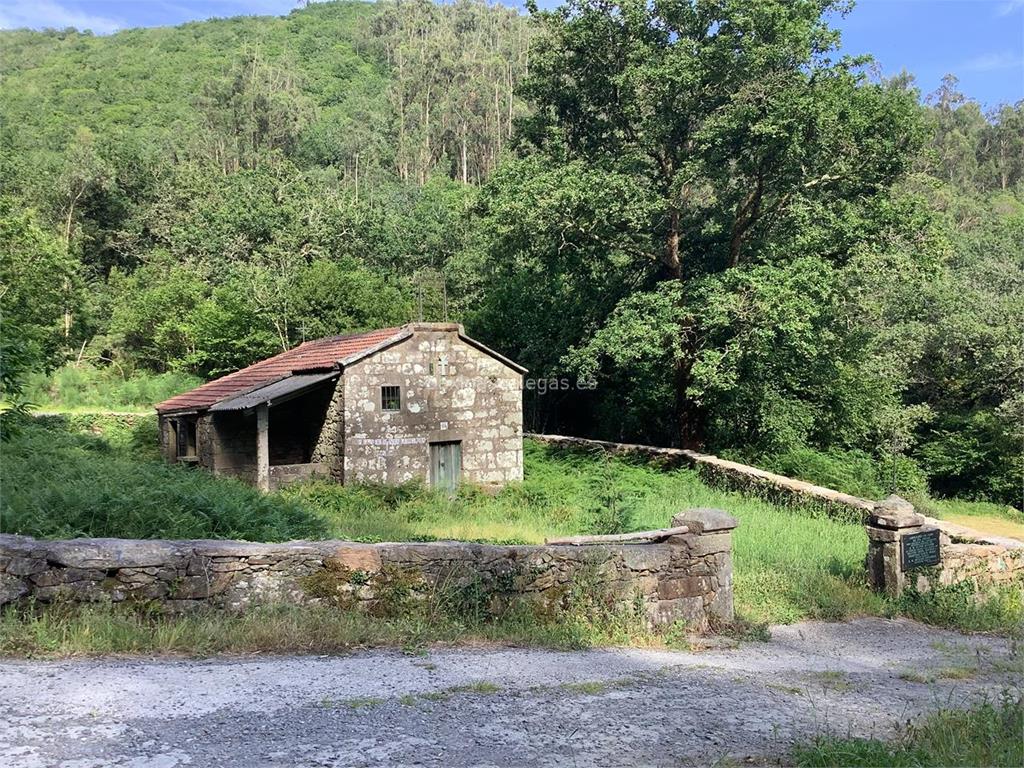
(329, 450)
(227, 444)
(451, 391)
(966, 555)
(684, 577)
(984, 565)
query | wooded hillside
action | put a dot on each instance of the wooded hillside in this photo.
(749, 242)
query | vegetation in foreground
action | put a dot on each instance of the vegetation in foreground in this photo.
(66, 629)
(990, 735)
(59, 482)
(790, 564)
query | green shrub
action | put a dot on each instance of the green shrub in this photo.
(961, 606)
(60, 484)
(853, 472)
(975, 456)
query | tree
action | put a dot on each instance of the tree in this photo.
(39, 283)
(730, 114)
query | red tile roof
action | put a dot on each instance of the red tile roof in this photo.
(312, 355)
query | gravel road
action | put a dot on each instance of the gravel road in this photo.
(494, 706)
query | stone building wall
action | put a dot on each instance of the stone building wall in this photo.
(686, 577)
(329, 450)
(166, 437)
(227, 444)
(451, 391)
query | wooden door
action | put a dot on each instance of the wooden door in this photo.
(446, 465)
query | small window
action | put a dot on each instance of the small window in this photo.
(391, 398)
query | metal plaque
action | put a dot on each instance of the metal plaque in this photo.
(918, 550)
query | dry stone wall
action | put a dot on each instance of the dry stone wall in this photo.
(685, 577)
(984, 565)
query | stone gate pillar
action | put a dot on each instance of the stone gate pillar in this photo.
(891, 521)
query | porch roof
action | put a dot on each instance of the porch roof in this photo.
(274, 393)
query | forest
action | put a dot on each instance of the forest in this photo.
(751, 243)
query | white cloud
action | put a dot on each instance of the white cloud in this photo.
(37, 14)
(990, 62)
(1009, 6)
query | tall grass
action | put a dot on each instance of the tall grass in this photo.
(85, 387)
(68, 629)
(990, 735)
(57, 483)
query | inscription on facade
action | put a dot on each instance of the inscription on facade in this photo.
(392, 441)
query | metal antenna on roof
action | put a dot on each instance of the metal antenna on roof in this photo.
(444, 297)
(419, 286)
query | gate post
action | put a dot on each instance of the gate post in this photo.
(891, 521)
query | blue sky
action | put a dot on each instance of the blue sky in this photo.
(981, 41)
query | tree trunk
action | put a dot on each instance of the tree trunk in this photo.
(688, 417)
(465, 171)
(673, 267)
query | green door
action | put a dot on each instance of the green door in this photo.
(445, 465)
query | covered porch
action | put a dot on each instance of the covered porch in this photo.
(287, 419)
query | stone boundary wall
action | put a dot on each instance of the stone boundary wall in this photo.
(966, 555)
(724, 472)
(685, 577)
(984, 565)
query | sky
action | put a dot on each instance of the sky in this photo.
(980, 41)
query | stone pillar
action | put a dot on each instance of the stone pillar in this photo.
(888, 523)
(263, 447)
(705, 554)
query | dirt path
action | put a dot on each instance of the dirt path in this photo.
(494, 707)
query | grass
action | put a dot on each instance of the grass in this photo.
(956, 605)
(76, 388)
(61, 483)
(832, 680)
(61, 630)
(984, 516)
(479, 687)
(989, 735)
(789, 564)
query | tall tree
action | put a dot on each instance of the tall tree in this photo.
(729, 112)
